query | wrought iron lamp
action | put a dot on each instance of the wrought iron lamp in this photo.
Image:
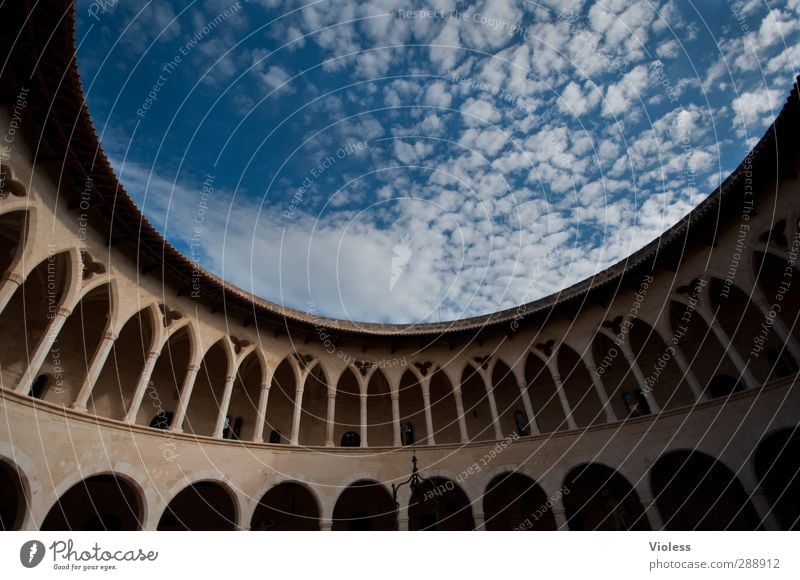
(415, 483)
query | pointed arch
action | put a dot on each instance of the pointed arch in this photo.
(243, 407)
(209, 385)
(443, 409)
(314, 408)
(543, 395)
(507, 397)
(618, 379)
(579, 388)
(412, 409)
(14, 228)
(70, 355)
(662, 375)
(348, 406)
(113, 391)
(743, 322)
(380, 423)
(280, 405)
(163, 390)
(29, 312)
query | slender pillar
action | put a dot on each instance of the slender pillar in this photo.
(98, 362)
(600, 389)
(331, 421)
(787, 338)
(426, 398)
(727, 345)
(224, 405)
(298, 407)
(640, 380)
(261, 417)
(559, 514)
(487, 383)
(480, 521)
(695, 386)
(462, 420)
(45, 344)
(562, 397)
(141, 386)
(364, 420)
(766, 514)
(526, 403)
(326, 525)
(183, 401)
(8, 286)
(398, 442)
(650, 508)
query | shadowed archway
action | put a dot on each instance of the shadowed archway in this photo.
(515, 502)
(205, 505)
(598, 498)
(288, 506)
(364, 505)
(102, 502)
(696, 492)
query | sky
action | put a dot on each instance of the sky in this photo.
(419, 162)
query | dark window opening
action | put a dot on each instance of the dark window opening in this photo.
(522, 423)
(636, 404)
(275, 436)
(232, 431)
(39, 387)
(408, 434)
(162, 420)
(723, 385)
(351, 439)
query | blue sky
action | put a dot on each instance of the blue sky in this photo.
(414, 162)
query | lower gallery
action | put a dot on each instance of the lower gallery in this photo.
(140, 393)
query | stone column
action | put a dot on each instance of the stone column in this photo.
(224, 405)
(650, 507)
(562, 397)
(398, 441)
(261, 417)
(11, 281)
(783, 332)
(737, 360)
(363, 401)
(487, 384)
(426, 398)
(45, 344)
(331, 418)
(141, 386)
(600, 389)
(98, 362)
(462, 420)
(480, 521)
(526, 403)
(640, 380)
(298, 407)
(183, 401)
(326, 525)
